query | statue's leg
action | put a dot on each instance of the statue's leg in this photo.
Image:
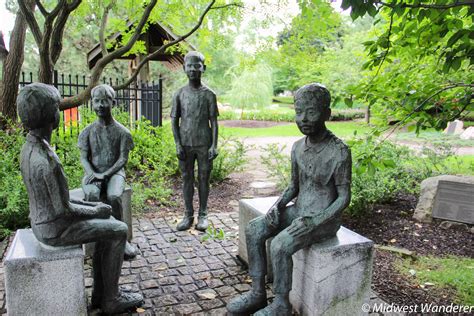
(187, 170)
(204, 173)
(110, 236)
(256, 233)
(115, 188)
(282, 248)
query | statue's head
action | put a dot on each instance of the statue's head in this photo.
(103, 98)
(312, 107)
(38, 106)
(194, 65)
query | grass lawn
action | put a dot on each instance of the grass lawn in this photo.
(343, 130)
(455, 272)
(433, 137)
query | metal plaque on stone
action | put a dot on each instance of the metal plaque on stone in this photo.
(454, 201)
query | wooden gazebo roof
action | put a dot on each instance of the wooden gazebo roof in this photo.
(154, 38)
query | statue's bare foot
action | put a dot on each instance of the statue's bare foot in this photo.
(185, 223)
(130, 251)
(124, 302)
(202, 224)
(247, 303)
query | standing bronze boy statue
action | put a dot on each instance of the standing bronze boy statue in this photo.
(105, 145)
(58, 221)
(320, 183)
(194, 123)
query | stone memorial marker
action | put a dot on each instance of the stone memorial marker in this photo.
(468, 133)
(428, 194)
(455, 127)
(454, 201)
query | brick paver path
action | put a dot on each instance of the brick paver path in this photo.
(177, 273)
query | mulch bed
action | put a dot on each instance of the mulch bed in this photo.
(392, 225)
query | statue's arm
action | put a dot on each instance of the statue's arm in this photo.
(335, 208)
(175, 115)
(86, 164)
(84, 147)
(214, 128)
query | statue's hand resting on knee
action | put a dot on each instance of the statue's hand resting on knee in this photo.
(273, 216)
(90, 209)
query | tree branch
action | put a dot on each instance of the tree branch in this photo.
(32, 23)
(56, 45)
(57, 9)
(428, 6)
(136, 35)
(103, 25)
(165, 46)
(239, 5)
(388, 46)
(40, 6)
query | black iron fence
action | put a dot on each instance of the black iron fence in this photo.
(138, 99)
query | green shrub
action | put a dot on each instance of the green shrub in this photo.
(13, 198)
(278, 164)
(231, 159)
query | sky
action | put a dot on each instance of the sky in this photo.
(7, 20)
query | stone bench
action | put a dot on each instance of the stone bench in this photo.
(332, 277)
(41, 279)
(78, 194)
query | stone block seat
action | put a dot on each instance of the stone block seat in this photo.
(330, 278)
(78, 194)
(44, 280)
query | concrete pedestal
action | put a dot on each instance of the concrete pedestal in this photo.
(44, 280)
(330, 278)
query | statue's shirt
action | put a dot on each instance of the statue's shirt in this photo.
(47, 188)
(195, 107)
(104, 144)
(318, 169)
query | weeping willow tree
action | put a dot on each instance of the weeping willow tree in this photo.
(252, 89)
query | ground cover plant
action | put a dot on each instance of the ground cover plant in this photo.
(450, 272)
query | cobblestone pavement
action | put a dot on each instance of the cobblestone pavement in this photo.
(177, 273)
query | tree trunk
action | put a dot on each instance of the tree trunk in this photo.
(367, 115)
(12, 66)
